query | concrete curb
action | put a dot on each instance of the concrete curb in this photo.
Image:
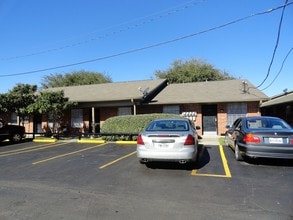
(210, 140)
(45, 140)
(93, 141)
(205, 141)
(125, 142)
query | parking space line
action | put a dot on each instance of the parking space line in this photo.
(67, 154)
(225, 166)
(115, 161)
(194, 173)
(225, 162)
(29, 149)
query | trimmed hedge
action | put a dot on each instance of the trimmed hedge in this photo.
(124, 126)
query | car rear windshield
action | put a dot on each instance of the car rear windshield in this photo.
(267, 123)
(168, 125)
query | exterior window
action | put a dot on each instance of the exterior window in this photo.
(124, 111)
(234, 111)
(14, 118)
(50, 121)
(25, 119)
(171, 109)
(76, 118)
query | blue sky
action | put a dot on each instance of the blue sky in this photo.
(117, 38)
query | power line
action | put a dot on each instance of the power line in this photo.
(280, 69)
(276, 45)
(150, 46)
(129, 25)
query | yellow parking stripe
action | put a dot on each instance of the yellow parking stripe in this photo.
(126, 142)
(194, 173)
(24, 149)
(225, 162)
(225, 166)
(67, 154)
(29, 149)
(115, 161)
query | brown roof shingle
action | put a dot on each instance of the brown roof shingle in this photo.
(197, 92)
(281, 99)
(209, 92)
(118, 91)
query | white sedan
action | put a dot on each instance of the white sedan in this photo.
(168, 140)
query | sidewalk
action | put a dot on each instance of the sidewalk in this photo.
(210, 140)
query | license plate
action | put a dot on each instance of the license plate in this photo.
(162, 145)
(275, 140)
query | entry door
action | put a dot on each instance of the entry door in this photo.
(209, 118)
(37, 128)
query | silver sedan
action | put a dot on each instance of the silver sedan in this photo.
(168, 140)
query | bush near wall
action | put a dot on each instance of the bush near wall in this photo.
(128, 126)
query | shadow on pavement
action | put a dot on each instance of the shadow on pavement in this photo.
(203, 158)
(270, 161)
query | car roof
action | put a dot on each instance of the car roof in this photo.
(260, 117)
(171, 119)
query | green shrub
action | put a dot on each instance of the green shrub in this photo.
(125, 125)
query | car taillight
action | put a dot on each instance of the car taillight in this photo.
(291, 141)
(250, 138)
(139, 140)
(189, 140)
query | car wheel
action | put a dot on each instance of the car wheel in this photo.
(15, 138)
(238, 155)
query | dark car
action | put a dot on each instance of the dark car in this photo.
(260, 136)
(14, 133)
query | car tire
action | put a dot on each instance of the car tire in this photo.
(237, 152)
(16, 138)
(142, 161)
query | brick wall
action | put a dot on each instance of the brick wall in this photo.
(148, 109)
(253, 109)
(107, 112)
(222, 118)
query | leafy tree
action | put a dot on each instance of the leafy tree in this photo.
(17, 99)
(3, 103)
(74, 79)
(191, 71)
(52, 105)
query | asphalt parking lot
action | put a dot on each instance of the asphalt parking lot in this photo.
(69, 180)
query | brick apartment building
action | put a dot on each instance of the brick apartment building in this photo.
(280, 106)
(211, 105)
